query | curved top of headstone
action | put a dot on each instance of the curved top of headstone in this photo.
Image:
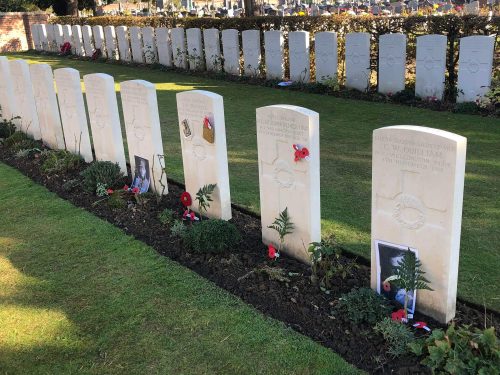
(210, 94)
(393, 36)
(431, 37)
(103, 76)
(426, 130)
(67, 71)
(137, 82)
(297, 109)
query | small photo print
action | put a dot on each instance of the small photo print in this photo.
(388, 256)
(186, 130)
(141, 175)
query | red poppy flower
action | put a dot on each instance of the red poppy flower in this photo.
(297, 155)
(398, 316)
(125, 187)
(110, 191)
(387, 286)
(271, 252)
(135, 190)
(304, 152)
(186, 199)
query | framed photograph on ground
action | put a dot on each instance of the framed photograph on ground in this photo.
(141, 175)
(388, 255)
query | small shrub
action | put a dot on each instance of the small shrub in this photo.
(327, 264)
(167, 216)
(178, 229)
(363, 305)
(404, 96)
(397, 335)
(117, 199)
(70, 185)
(19, 141)
(103, 172)
(7, 128)
(212, 236)
(460, 351)
(57, 161)
(470, 108)
(26, 153)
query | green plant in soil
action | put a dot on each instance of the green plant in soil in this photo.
(167, 216)
(204, 197)
(7, 128)
(363, 305)
(178, 229)
(59, 161)
(19, 141)
(103, 172)
(212, 236)
(283, 226)
(117, 199)
(460, 351)
(408, 275)
(397, 336)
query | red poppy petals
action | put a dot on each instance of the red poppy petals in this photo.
(186, 199)
(135, 190)
(271, 252)
(387, 286)
(125, 187)
(398, 316)
(110, 191)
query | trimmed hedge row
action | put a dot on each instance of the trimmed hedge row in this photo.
(451, 25)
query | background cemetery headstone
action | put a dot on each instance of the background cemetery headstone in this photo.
(357, 61)
(179, 47)
(286, 182)
(76, 32)
(298, 46)
(99, 43)
(149, 45)
(59, 37)
(392, 63)
(231, 51)
(73, 115)
(417, 190)
(104, 118)
(164, 47)
(42, 34)
(37, 45)
(136, 45)
(475, 66)
(24, 99)
(325, 44)
(88, 43)
(123, 43)
(51, 38)
(46, 104)
(251, 52)
(431, 66)
(110, 42)
(273, 44)
(205, 158)
(213, 59)
(195, 49)
(142, 126)
(67, 34)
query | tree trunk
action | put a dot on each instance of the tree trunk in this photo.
(72, 9)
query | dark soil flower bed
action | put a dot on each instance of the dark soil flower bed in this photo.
(294, 300)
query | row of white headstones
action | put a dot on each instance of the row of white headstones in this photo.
(417, 177)
(201, 50)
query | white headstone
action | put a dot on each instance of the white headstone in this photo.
(179, 47)
(204, 152)
(472, 8)
(51, 37)
(46, 105)
(475, 65)
(24, 100)
(67, 34)
(431, 66)
(73, 115)
(42, 34)
(104, 118)
(123, 43)
(286, 183)
(164, 46)
(273, 43)
(136, 44)
(417, 189)
(58, 34)
(142, 125)
(231, 51)
(195, 49)
(357, 61)
(298, 46)
(110, 38)
(7, 103)
(213, 59)
(35, 36)
(392, 63)
(76, 31)
(99, 43)
(325, 47)
(251, 52)
(148, 37)
(88, 43)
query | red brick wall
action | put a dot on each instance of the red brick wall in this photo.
(15, 32)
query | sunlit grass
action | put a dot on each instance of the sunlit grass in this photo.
(345, 141)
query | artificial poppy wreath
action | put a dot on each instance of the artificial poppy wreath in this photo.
(300, 153)
(186, 199)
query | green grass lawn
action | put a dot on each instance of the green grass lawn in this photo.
(78, 296)
(345, 136)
